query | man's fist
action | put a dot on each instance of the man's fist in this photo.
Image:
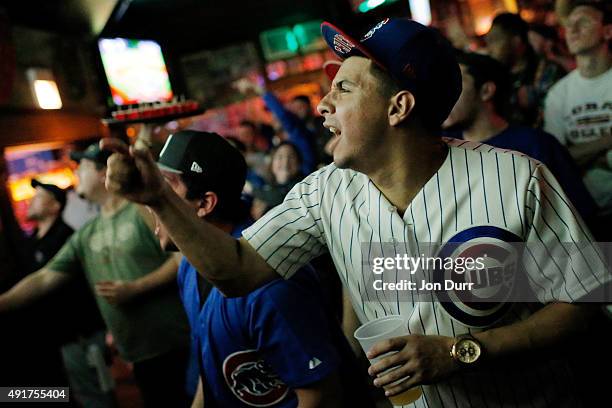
(132, 173)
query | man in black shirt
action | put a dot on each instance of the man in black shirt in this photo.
(30, 354)
(68, 319)
(51, 232)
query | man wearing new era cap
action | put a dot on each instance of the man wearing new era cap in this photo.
(273, 347)
(397, 186)
(205, 166)
(133, 280)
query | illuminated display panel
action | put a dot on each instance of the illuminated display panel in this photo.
(363, 6)
(135, 70)
(278, 43)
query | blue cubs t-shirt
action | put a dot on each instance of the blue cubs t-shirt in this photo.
(254, 350)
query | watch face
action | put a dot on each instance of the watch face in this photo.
(468, 351)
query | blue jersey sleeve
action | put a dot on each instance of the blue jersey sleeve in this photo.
(292, 334)
(180, 277)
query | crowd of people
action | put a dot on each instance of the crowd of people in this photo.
(220, 267)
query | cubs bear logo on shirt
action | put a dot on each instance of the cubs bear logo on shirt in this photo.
(252, 380)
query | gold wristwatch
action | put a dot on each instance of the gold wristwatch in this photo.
(466, 349)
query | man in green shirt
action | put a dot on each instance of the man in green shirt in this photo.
(134, 282)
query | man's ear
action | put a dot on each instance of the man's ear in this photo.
(517, 43)
(207, 204)
(487, 91)
(401, 105)
(607, 32)
(57, 207)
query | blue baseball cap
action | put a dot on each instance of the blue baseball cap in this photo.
(419, 58)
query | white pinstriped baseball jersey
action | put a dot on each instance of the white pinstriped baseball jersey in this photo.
(479, 191)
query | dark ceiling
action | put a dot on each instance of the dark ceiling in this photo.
(184, 25)
(196, 24)
(50, 15)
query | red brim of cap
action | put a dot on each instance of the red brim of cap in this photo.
(331, 68)
(343, 45)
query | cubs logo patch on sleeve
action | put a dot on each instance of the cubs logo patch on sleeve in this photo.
(252, 380)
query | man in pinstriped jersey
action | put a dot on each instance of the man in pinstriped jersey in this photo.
(395, 180)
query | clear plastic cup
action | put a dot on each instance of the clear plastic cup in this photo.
(385, 328)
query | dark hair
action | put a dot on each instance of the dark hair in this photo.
(228, 209)
(546, 31)
(291, 145)
(248, 123)
(389, 86)
(604, 7)
(486, 69)
(62, 205)
(302, 98)
(236, 143)
(267, 132)
(512, 24)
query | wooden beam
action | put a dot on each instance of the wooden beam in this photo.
(19, 128)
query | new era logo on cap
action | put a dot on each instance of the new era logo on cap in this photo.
(314, 363)
(195, 167)
(373, 30)
(207, 162)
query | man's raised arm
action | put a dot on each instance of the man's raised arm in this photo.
(232, 266)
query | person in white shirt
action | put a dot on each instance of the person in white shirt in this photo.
(578, 109)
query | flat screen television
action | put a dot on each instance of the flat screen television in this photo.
(135, 70)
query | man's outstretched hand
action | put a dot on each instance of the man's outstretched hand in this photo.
(132, 173)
